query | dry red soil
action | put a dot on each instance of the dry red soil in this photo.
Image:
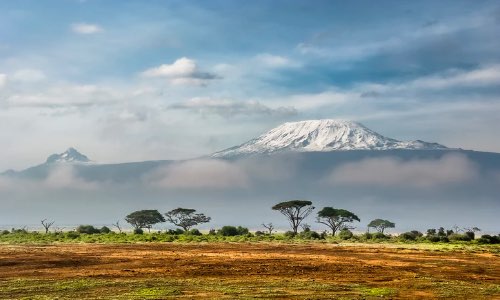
(356, 270)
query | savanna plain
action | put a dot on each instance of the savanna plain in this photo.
(235, 269)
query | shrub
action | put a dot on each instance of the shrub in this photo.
(88, 229)
(72, 235)
(228, 231)
(232, 231)
(175, 232)
(309, 235)
(242, 230)
(489, 239)
(5, 232)
(212, 232)
(407, 236)
(259, 233)
(470, 234)
(289, 234)
(138, 231)
(459, 237)
(433, 238)
(194, 232)
(444, 239)
(379, 236)
(417, 233)
(366, 236)
(345, 234)
(104, 229)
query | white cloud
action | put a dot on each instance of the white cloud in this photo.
(63, 95)
(183, 67)
(393, 172)
(3, 80)
(28, 75)
(183, 71)
(229, 108)
(480, 77)
(86, 28)
(488, 75)
(60, 177)
(216, 174)
(64, 177)
(275, 61)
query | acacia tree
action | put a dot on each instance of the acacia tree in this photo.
(380, 225)
(118, 226)
(295, 211)
(47, 224)
(336, 219)
(269, 227)
(144, 219)
(186, 218)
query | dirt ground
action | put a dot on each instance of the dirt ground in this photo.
(244, 270)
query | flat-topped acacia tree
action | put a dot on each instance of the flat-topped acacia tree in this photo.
(336, 219)
(144, 219)
(380, 225)
(186, 218)
(295, 211)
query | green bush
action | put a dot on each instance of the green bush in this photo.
(232, 231)
(433, 238)
(5, 232)
(459, 237)
(289, 234)
(194, 232)
(366, 236)
(379, 236)
(72, 235)
(489, 239)
(470, 234)
(88, 229)
(104, 229)
(177, 231)
(345, 234)
(444, 239)
(410, 235)
(309, 235)
(138, 231)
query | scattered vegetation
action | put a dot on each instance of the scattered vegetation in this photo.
(338, 221)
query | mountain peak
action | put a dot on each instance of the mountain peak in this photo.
(322, 135)
(70, 155)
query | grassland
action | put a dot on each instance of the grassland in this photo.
(231, 268)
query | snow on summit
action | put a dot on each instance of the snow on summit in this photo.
(70, 155)
(322, 135)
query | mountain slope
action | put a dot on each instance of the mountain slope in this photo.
(322, 136)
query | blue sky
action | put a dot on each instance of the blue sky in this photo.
(139, 80)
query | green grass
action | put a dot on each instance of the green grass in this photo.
(378, 292)
(118, 238)
(189, 288)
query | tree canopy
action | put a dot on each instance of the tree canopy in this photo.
(186, 218)
(380, 225)
(295, 211)
(336, 219)
(144, 218)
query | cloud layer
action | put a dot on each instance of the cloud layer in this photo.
(393, 172)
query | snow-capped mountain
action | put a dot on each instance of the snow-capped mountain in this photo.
(322, 136)
(69, 156)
